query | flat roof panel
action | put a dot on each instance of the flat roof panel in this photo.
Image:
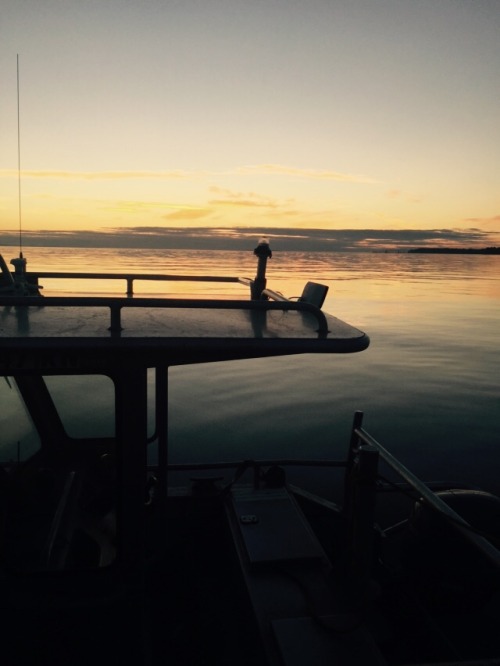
(201, 331)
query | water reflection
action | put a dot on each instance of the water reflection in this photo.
(429, 382)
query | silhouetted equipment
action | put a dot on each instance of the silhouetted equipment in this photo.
(314, 293)
(6, 279)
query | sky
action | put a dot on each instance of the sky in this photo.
(214, 117)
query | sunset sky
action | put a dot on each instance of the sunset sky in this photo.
(357, 115)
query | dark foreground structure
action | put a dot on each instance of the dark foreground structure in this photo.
(112, 555)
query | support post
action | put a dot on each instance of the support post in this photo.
(131, 436)
(361, 523)
(116, 321)
(351, 456)
(161, 409)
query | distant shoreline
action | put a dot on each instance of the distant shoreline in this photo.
(455, 250)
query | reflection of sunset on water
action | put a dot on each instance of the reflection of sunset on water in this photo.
(428, 383)
(364, 287)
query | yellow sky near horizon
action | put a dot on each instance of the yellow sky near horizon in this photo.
(249, 196)
(363, 115)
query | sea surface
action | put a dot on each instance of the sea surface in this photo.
(429, 384)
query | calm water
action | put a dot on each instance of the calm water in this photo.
(429, 383)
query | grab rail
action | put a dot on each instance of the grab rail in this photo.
(360, 438)
(130, 278)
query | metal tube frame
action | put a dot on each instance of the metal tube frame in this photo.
(116, 304)
(361, 438)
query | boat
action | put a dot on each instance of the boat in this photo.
(112, 554)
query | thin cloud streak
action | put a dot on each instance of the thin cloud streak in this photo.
(132, 206)
(314, 174)
(181, 174)
(242, 199)
(484, 220)
(244, 203)
(104, 175)
(183, 215)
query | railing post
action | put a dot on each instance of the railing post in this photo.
(351, 456)
(360, 485)
(263, 252)
(161, 402)
(361, 524)
(116, 324)
(130, 286)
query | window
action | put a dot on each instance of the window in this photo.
(86, 404)
(19, 439)
(59, 511)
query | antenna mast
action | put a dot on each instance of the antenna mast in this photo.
(21, 284)
(19, 166)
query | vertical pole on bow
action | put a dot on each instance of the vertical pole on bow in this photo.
(263, 253)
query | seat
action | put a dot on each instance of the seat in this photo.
(314, 293)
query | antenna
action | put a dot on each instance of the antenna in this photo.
(19, 166)
(20, 278)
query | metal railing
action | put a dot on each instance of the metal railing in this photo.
(117, 304)
(364, 453)
(130, 278)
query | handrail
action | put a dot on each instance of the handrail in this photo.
(132, 277)
(278, 297)
(274, 295)
(116, 304)
(430, 498)
(135, 276)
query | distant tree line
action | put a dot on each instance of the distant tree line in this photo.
(456, 250)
